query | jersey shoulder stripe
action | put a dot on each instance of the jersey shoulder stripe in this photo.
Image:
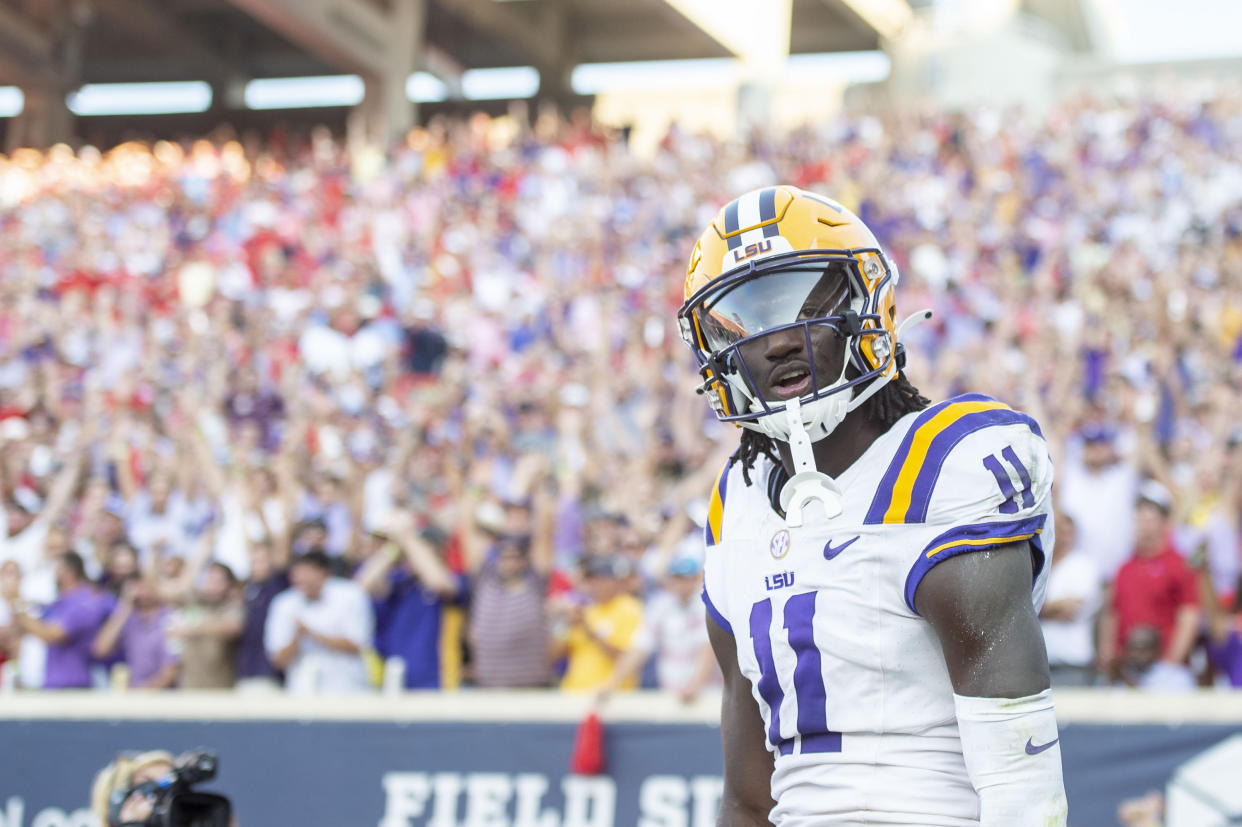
(714, 613)
(967, 538)
(905, 490)
(715, 507)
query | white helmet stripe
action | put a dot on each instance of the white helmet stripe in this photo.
(748, 216)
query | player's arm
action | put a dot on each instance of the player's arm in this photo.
(747, 797)
(979, 605)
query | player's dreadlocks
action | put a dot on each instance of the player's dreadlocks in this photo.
(890, 403)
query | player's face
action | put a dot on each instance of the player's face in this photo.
(778, 362)
(781, 368)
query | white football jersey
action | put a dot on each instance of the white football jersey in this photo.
(853, 687)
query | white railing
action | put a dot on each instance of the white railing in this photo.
(1077, 706)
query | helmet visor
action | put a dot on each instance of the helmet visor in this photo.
(774, 299)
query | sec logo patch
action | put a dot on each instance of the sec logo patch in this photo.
(780, 544)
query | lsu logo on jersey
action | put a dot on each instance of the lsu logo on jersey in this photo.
(780, 580)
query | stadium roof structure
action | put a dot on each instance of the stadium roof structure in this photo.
(374, 60)
(49, 48)
(135, 40)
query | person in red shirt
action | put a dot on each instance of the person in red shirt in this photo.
(1155, 587)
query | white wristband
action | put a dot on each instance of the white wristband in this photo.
(1013, 757)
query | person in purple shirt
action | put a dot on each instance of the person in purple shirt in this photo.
(137, 633)
(250, 402)
(410, 585)
(68, 626)
(1224, 628)
(269, 576)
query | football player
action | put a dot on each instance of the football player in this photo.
(875, 562)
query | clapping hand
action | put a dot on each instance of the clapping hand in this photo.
(303, 632)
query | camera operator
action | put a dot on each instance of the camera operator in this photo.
(154, 789)
(125, 772)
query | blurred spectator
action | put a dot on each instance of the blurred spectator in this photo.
(317, 629)
(248, 403)
(158, 523)
(409, 586)
(1155, 588)
(1223, 626)
(1211, 521)
(308, 535)
(31, 539)
(1144, 667)
(67, 626)
(599, 629)
(120, 566)
(269, 576)
(137, 634)
(10, 636)
(1098, 489)
(324, 504)
(206, 629)
(1070, 607)
(508, 628)
(508, 553)
(28, 519)
(425, 347)
(674, 633)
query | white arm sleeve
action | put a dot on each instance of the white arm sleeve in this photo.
(1013, 757)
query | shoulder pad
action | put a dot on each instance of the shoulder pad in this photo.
(905, 491)
(715, 506)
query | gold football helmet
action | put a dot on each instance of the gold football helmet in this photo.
(781, 258)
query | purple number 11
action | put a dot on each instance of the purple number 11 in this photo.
(808, 679)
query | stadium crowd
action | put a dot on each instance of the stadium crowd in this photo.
(274, 414)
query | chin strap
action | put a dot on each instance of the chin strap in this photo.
(807, 483)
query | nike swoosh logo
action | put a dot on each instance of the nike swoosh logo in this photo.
(830, 552)
(1031, 749)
